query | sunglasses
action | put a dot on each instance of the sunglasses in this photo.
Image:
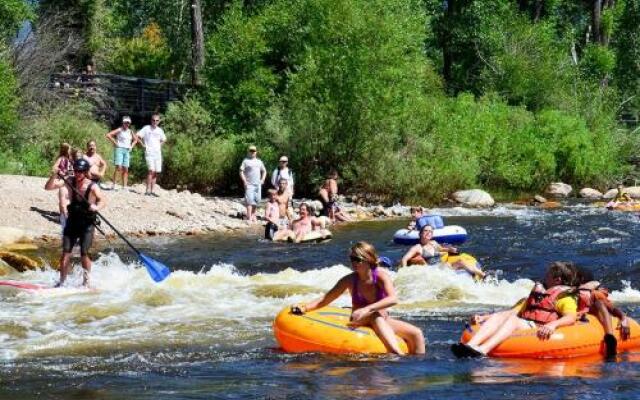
(356, 259)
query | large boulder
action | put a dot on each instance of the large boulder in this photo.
(474, 198)
(633, 191)
(559, 189)
(588, 193)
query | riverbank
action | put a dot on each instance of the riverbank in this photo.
(33, 213)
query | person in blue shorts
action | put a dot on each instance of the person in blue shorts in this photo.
(123, 141)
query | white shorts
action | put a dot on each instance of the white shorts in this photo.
(154, 162)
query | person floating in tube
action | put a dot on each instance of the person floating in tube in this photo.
(544, 309)
(594, 299)
(372, 293)
(430, 251)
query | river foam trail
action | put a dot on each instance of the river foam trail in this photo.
(217, 307)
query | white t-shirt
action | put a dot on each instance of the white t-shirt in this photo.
(284, 173)
(152, 139)
(123, 138)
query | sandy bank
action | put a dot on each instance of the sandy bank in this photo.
(25, 205)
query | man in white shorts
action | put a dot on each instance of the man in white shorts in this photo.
(152, 137)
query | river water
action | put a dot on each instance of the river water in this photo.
(206, 331)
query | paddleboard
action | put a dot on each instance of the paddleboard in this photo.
(23, 285)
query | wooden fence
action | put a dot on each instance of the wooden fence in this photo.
(116, 95)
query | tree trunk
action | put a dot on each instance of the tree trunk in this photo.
(596, 14)
(447, 56)
(197, 42)
(537, 10)
(523, 5)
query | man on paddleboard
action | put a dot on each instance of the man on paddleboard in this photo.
(86, 200)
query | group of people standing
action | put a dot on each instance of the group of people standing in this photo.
(281, 222)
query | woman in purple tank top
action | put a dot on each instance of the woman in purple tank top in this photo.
(372, 293)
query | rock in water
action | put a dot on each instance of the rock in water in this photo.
(610, 194)
(539, 199)
(559, 189)
(474, 198)
(6, 269)
(18, 261)
(588, 193)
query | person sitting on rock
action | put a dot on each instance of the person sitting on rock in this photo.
(594, 299)
(622, 196)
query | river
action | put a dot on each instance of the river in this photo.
(206, 332)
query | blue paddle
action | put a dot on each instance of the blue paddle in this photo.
(157, 270)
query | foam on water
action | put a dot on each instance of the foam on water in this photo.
(217, 306)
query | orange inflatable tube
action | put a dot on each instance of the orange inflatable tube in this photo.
(578, 340)
(326, 331)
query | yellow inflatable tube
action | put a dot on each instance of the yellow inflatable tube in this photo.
(326, 331)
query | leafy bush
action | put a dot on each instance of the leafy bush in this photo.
(36, 142)
(8, 99)
(146, 55)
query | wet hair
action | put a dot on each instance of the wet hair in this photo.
(425, 227)
(305, 205)
(566, 271)
(366, 252)
(65, 150)
(415, 209)
(332, 173)
(91, 141)
(584, 275)
(76, 153)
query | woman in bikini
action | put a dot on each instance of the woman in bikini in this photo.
(430, 251)
(372, 293)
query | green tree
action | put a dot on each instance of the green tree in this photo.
(12, 14)
(627, 46)
(8, 100)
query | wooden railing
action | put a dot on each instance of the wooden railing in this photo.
(116, 95)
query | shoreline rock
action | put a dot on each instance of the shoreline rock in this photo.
(589, 193)
(474, 198)
(558, 190)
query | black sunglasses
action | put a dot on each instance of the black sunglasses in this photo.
(356, 259)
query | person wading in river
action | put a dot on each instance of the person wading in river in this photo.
(81, 216)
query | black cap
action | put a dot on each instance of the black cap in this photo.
(81, 165)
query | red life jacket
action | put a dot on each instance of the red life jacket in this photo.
(541, 307)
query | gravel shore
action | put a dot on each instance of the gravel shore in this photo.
(27, 207)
